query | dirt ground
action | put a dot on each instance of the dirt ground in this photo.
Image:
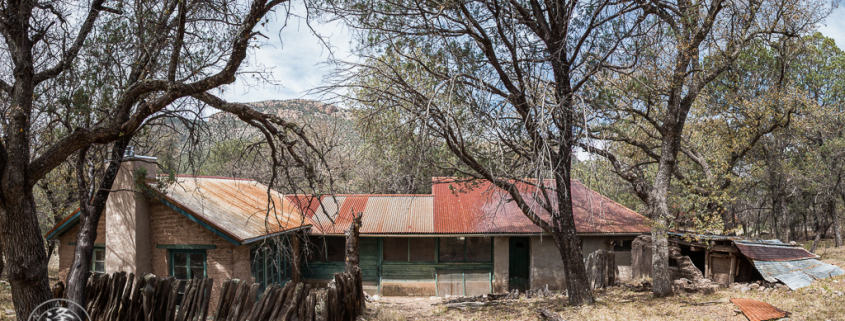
(821, 301)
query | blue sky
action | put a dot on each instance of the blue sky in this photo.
(297, 60)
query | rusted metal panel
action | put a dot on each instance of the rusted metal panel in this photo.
(382, 214)
(481, 207)
(798, 273)
(759, 251)
(242, 208)
(463, 208)
(756, 310)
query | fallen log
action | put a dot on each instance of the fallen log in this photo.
(465, 305)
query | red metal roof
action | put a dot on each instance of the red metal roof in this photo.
(457, 207)
(757, 310)
(481, 207)
(774, 253)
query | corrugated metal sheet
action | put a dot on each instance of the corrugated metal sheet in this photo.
(480, 207)
(757, 310)
(242, 208)
(796, 274)
(382, 214)
(462, 208)
(763, 252)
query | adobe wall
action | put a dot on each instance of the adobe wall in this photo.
(226, 261)
(501, 256)
(546, 264)
(65, 250)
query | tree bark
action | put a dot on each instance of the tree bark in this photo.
(837, 225)
(569, 244)
(91, 208)
(24, 251)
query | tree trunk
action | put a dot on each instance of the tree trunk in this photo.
(24, 251)
(569, 244)
(659, 209)
(91, 208)
(295, 252)
(2, 259)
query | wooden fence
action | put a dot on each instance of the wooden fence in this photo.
(601, 269)
(122, 296)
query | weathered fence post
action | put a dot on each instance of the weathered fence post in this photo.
(352, 267)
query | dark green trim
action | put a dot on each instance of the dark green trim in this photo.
(186, 246)
(95, 244)
(74, 219)
(198, 221)
(171, 266)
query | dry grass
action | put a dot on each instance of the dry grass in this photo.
(816, 302)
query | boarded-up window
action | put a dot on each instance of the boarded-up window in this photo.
(422, 249)
(468, 282)
(479, 249)
(396, 249)
(452, 249)
(450, 282)
(477, 282)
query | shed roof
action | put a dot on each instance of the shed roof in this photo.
(766, 252)
(462, 207)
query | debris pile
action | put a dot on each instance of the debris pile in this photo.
(701, 285)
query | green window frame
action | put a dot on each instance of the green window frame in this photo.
(98, 259)
(413, 250)
(269, 265)
(187, 260)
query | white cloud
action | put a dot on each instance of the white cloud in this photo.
(295, 58)
(834, 26)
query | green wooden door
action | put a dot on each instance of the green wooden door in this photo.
(518, 264)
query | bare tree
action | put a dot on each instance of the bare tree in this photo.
(497, 83)
(156, 64)
(694, 43)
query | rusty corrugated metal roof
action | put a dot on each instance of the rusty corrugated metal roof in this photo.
(461, 208)
(763, 252)
(481, 207)
(757, 310)
(382, 214)
(244, 209)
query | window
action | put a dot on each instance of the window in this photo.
(98, 264)
(622, 245)
(269, 265)
(409, 249)
(327, 249)
(466, 249)
(187, 264)
(452, 249)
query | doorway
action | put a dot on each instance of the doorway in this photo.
(519, 264)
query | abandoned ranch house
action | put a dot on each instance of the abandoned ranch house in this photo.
(462, 239)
